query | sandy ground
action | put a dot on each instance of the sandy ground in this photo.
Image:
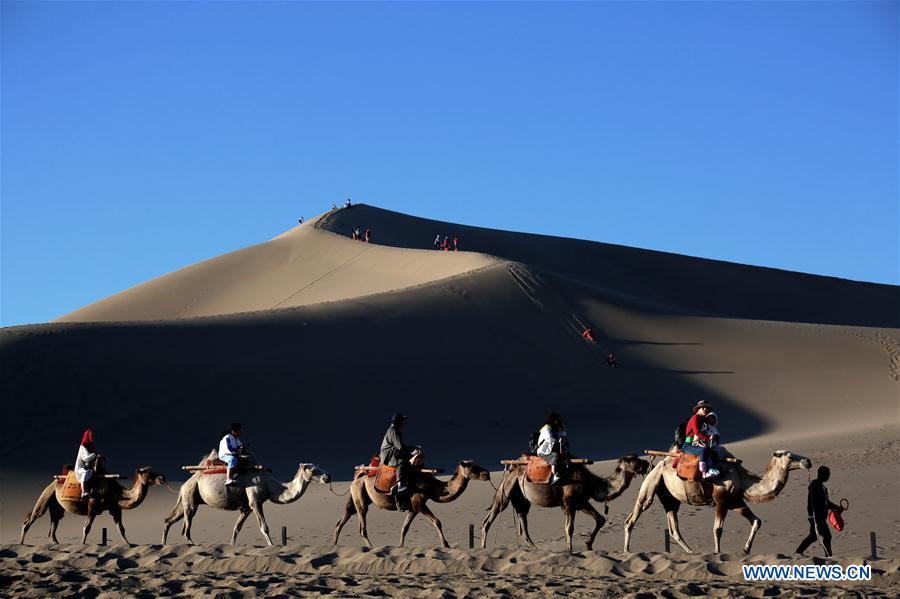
(312, 340)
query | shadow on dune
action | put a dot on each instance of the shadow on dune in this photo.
(674, 283)
(476, 372)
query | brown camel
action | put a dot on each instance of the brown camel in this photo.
(424, 487)
(729, 491)
(573, 494)
(107, 495)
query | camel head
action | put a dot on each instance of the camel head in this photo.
(147, 477)
(633, 464)
(314, 474)
(792, 461)
(472, 471)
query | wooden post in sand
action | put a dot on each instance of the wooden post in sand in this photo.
(284, 536)
(874, 546)
(103, 536)
(666, 540)
(471, 536)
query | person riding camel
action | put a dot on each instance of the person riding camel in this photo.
(698, 439)
(87, 461)
(553, 445)
(395, 453)
(230, 448)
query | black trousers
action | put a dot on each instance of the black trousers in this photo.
(818, 527)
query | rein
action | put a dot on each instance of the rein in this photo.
(330, 488)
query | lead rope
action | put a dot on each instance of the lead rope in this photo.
(331, 488)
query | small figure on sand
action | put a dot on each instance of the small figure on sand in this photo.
(366, 237)
(588, 334)
(348, 205)
(553, 445)
(301, 220)
(437, 241)
(333, 206)
(87, 461)
(445, 245)
(395, 453)
(230, 448)
(456, 244)
(817, 507)
(354, 235)
(611, 361)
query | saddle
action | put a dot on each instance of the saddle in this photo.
(71, 488)
(215, 466)
(537, 470)
(687, 467)
(385, 479)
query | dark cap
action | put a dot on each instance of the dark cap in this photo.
(702, 404)
(397, 418)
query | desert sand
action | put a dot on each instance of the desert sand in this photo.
(312, 340)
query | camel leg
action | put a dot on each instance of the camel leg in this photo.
(56, 514)
(436, 523)
(501, 500)
(671, 505)
(522, 512)
(46, 499)
(174, 516)
(87, 525)
(569, 525)
(359, 502)
(117, 518)
(755, 524)
(257, 507)
(349, 510)
(189, 512)
(405, 528)
(242, 516)
(642, 503)
(599, 521)
(719, 524)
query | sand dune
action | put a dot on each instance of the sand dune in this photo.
(313, 340)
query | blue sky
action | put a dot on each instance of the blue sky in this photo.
(138, 138)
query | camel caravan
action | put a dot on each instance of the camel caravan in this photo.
(695, 470)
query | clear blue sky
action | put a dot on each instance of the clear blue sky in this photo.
(138, 138)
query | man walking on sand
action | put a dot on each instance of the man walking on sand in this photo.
(817, 506)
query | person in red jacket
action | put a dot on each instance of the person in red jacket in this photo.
(697, 438)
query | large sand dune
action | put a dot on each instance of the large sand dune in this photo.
(312, 340)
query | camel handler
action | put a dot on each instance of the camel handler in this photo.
(553, 445)
(87, 461)
(395, 453)
(230, 448)
(817, 506)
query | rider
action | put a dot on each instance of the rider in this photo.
(697, 438)
(395, 453)
(553, 445)
(87, 461)
(229, 450)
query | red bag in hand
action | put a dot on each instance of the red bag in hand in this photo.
(835, 518)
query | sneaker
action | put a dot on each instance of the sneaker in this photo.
(230, 482)
(555, 479)
(711, 473)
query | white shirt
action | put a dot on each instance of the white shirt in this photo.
(230, 445)
(547, 439)
(83, 464)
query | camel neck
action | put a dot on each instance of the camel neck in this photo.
(291, 491)
(134, 495)
(453, 488)
(767, 487)
(607, 489)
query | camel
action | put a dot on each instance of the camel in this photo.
(572, 494)
(254, 488)
(729, 491)
(109, 496)
(425, 487)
